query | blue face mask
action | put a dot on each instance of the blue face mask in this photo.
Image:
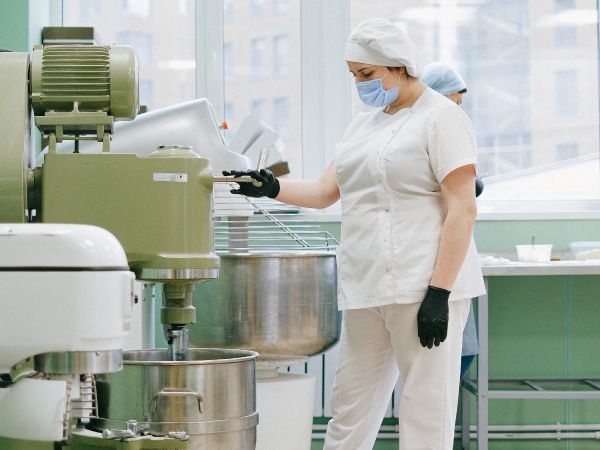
(372, 93)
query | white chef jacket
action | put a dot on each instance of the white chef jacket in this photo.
(389, 170)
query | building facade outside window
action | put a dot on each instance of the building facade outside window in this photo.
(258, 55)
(281, 55)
(258, 8)
(281, 116)
(531, 67)
(264, 53)
(140, 8)
(566, 94)
(281, 7)
(166, 54)
(259, 110)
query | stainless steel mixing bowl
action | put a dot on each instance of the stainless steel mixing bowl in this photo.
(280, 304)
(212, 396)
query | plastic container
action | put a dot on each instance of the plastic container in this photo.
(534, 253)
(578, 248)
(285, 406)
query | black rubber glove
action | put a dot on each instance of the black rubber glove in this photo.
(478, 186)
(269, 188)
(432, 318)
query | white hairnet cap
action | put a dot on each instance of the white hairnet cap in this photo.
(382, 43)
(443, 78)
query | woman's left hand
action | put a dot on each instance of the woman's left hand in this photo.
(432, 318)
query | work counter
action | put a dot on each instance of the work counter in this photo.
(523, 389)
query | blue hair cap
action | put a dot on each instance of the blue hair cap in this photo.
(443, 78)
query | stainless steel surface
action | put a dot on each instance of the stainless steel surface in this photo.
(148, 274)
(110, 433)
(567, 267)
(282, 305)
(263, 157)
(131, 431)
(191, 123)
(273, 234)
(236, 424)
(65, 363)
(211, 396)
(170, 392)
(232, 179)
(249, 225)
(174, 146)
(178, 343)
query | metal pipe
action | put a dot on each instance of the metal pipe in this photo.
(232, 179)
(262, 158)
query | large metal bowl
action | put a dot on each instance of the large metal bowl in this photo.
(211, 396)
(282, 305)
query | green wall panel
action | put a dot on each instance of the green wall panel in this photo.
(14, 25)
(500, 236)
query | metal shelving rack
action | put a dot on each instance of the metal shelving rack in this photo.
(485, 389)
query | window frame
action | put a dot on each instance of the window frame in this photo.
(325, 100)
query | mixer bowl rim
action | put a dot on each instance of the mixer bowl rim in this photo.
(236, 356)
(277, 254)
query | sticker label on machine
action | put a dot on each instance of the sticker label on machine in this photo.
(170, 177)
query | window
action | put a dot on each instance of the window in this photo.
(531, 71)
(259, 109)
(258, 8)
(228, 66)
(564, 5)
(281, 7)
(229, 112)
(146, 93)
(262, 66)
(140, 41)
(281, 55)
(182, 7)
(567, 150)
(258, 55)
(281, 116)
(166, 54)
(141, 8)
(565, 88)
(89, 9)
(565, 34)
(228, 11)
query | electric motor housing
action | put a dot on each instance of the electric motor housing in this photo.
(85, 78)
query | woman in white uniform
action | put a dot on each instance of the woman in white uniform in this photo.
(408, 267)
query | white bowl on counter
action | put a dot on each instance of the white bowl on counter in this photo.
(534, 253)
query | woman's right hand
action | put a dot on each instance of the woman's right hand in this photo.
(269, 183)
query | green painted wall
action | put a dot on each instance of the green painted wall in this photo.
(14, 25)
(21, 22)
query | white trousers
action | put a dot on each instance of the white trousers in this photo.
(374, 344)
